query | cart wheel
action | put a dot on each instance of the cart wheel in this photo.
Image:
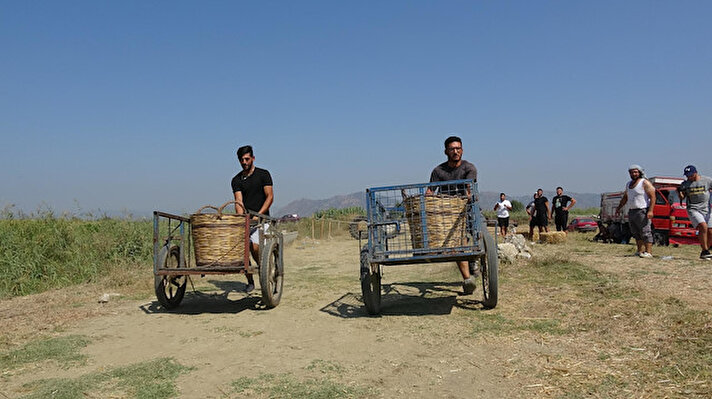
(271, 274)
(170, 289)
(489, 269)
(370, 285)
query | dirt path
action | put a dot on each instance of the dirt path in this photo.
(426, 344)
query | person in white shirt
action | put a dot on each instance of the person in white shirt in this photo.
(641, 195)
(502, 208)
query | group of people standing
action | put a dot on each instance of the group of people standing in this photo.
(538, 211)
(252, 188)
(640, 194)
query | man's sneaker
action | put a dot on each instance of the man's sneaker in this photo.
(468, 286)
(706, 255)
(646, 255)
(249, 287)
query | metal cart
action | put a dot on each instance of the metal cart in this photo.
(173, 263)
(425, 223)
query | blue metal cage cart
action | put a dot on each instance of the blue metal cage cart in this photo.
(424, 223)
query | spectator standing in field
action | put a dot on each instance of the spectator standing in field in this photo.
(696, 192)
(252, 187)
(502, 208)
(560, 208)
(531, 211)
(541, 211)
(641, 195)
(456, 168)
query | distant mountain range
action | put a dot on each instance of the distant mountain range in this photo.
(307, 207)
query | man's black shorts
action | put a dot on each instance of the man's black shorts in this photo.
(540, 221)
(503, 222)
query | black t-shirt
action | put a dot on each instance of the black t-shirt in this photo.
(540, 205)
(252, 188)
(561, 201)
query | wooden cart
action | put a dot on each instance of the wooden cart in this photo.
(174, 263)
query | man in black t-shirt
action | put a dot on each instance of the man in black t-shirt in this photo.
(560, 208)
(252, 187)
(541, 211)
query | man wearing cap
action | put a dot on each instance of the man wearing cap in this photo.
(641, 194)
(696, 191)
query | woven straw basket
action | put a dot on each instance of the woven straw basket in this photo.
(445, 220)
(220, 239)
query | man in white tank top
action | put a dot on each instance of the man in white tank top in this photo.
(641, 195)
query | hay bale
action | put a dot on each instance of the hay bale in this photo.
(553, 237)
(533, 237)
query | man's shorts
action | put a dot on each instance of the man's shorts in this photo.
(697, 217)
(255, 233)
(503, 222)
(640, 225)
(541, 220)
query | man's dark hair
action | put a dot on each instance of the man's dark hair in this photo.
(562, 189)
(452, 139)
(539, 190)
(247, 149)
(501, 194)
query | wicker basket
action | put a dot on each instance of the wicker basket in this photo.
(220, 239)
(445, 220)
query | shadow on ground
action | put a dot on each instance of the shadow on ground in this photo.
(198, 302)
(407, 299)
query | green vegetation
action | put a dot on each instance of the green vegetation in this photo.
(287, 386)
(154, 379)
(49, 252)
(517, 206)
(341, 214)
(63, 350)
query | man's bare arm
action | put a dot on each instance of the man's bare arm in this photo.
(621, 204)
(573, 202)
(238, 198)
(269, 193)
(650, 190)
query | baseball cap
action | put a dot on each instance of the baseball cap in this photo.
(689, 170)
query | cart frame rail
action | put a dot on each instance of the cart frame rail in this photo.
(388, 243)
(177, 232)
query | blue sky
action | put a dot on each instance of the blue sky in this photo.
(140, 105)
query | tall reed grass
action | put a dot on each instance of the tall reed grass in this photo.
(48, 252)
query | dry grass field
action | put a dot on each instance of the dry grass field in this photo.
(578, 320)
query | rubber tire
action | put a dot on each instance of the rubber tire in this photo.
(271, 274)
(489, 268)
(370, 286)
(354, 227)
(170, 289)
